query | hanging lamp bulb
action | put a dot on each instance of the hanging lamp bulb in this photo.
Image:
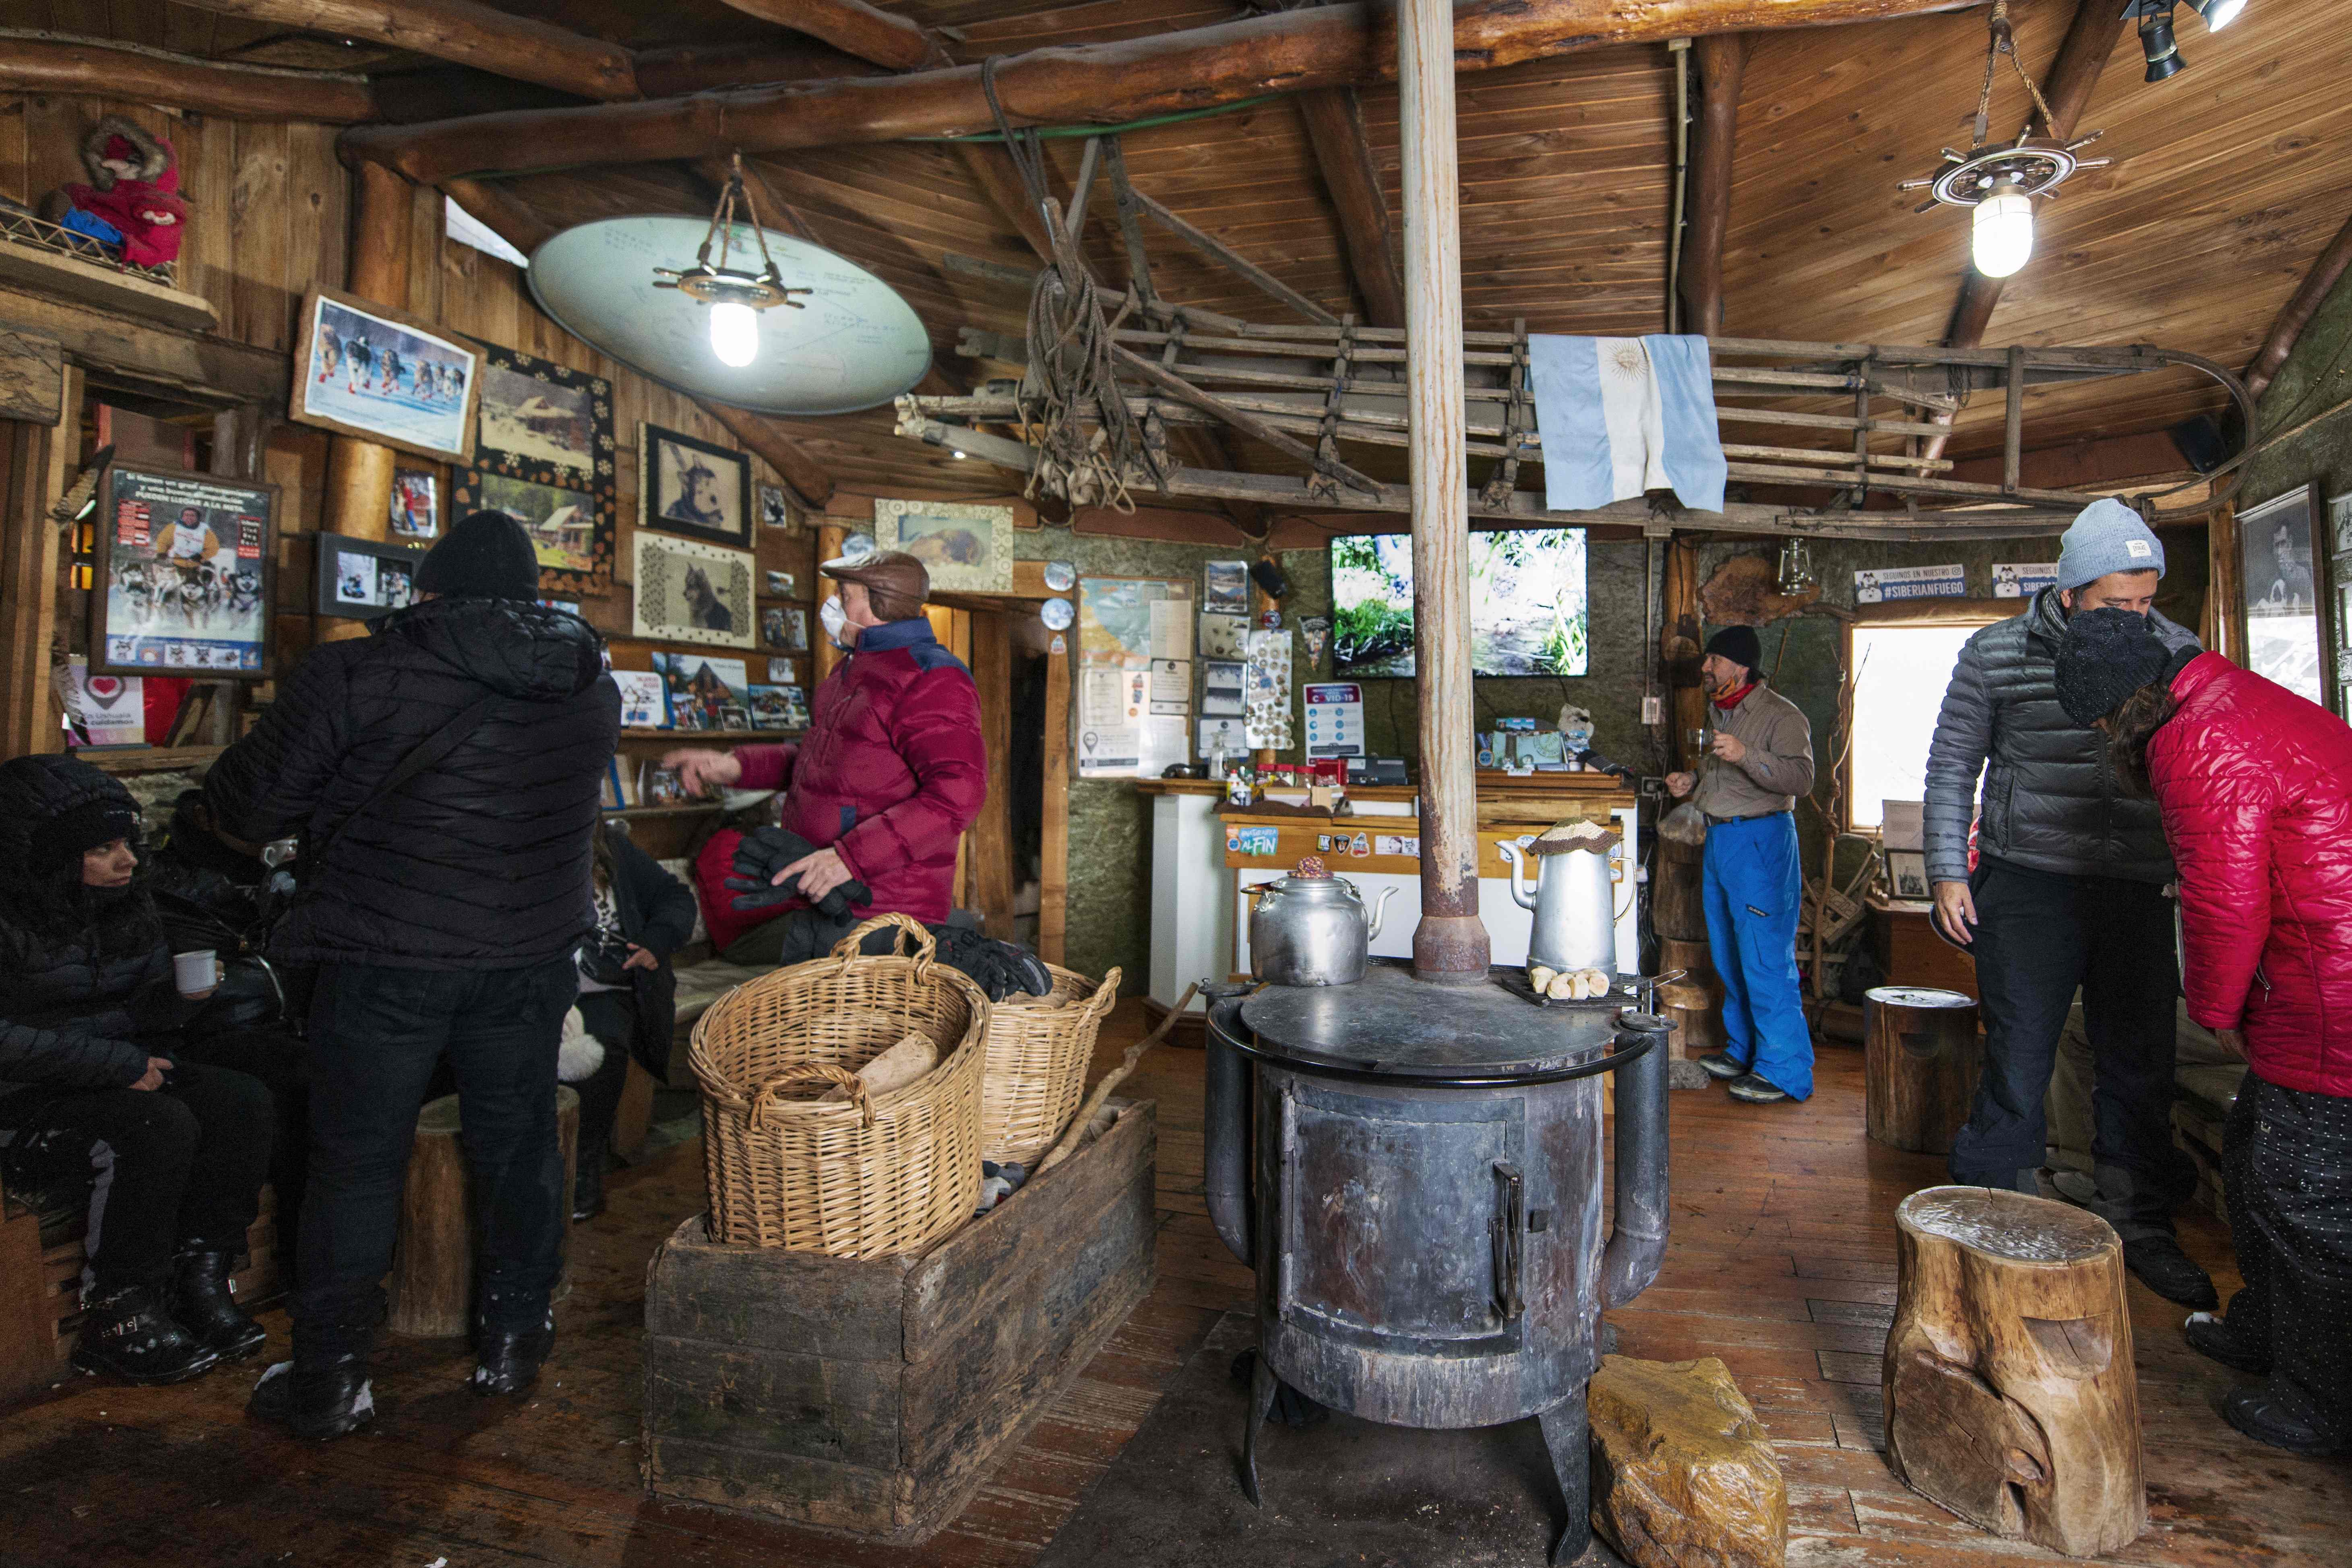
(2002, 238)
(734, 333)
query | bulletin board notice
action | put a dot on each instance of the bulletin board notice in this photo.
(1130, 628)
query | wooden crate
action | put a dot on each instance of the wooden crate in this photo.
(874, 1397)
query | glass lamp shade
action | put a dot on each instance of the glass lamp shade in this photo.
(2218, 14)
(734, 333)
(2003, 236)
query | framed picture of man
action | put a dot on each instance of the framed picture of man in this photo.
(2279, 590)
(184, 583)
(690, 487)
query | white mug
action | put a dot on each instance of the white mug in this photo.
(195, 974)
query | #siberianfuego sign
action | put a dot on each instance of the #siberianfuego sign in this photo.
(1881, 584)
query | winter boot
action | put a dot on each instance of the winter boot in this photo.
(506, 1361)
(204, 1301)
(126, 1333)
(321, 1402)
(588, 1177)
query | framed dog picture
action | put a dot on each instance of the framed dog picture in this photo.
(2278, 583)
(184, 586)
(545, 454)
(693, 593)
(686, 486)
(386, 376)
(363, 580)
(965, 548)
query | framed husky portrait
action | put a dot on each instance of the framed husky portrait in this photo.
(694, 592)
(686, 486)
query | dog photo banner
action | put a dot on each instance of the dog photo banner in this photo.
(184, 565)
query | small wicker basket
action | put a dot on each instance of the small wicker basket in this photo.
(1038, 1051)
(864, 1178)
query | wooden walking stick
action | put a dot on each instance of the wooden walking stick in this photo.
(1077, 1129)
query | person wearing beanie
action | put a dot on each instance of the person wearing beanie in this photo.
(91, 1079)
(1759, 758)
(444, 774)
(2065, 892)
(2255, 786)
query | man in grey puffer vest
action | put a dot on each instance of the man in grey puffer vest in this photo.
(2069, 891)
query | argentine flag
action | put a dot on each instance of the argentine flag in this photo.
(1622, 415)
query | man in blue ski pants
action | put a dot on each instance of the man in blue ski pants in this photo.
(1759, 758)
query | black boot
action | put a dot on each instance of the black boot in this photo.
(588, 1177)
(2213, 1338)
(2171, 1273)
(2261, 1413)
(506, 1361)
(204, 1303)
(321, 1401)
(126, 1333)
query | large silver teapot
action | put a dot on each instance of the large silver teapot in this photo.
(1574, 904)
(1311, 929)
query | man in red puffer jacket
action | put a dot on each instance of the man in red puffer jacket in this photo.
(891, 773)
(2255, 784)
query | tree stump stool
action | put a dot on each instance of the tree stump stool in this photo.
(2011, 1398)
(1694, 1004)
(1678, 898)
(433, 1265)
(1921, 1055)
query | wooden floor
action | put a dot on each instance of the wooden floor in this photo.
(1782, 1264)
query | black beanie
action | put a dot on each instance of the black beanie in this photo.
(486, 556)
(1740, 645)
(2105, 657)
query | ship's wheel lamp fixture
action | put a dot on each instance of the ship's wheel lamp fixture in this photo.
(1797, 567)
(2002, 181)
(735, 297)
(2156, 40)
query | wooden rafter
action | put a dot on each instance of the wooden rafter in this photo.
(1291, 51)
(102, 68)
(852, 26)
(1721, 61)
(463, 31)
(1343, 155)
(2296, 313)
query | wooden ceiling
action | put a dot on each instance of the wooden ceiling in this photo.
(2227, 182)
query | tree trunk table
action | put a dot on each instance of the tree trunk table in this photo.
(1922, 1056)
(432, 1290)
(2010, 1397)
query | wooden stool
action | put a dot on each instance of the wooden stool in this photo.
(1923, 1055)
(2011, 1398)
(1693, 1003)
(433, 1267)
(1678, 898)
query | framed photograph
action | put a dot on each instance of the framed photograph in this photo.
(2339, 525)
(775, 511)
(686, 486)
(689, 592)
(779, 707)
(363, 580)
(384, 376)
(643, 702)
(415, 504)
(706, 694)
(549, 426)
(786, 629)
(1225, 587)
(777, 585)
(966, 548)
(2279, 588)
(781, 672)
(184, 576)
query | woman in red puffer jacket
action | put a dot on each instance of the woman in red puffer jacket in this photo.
(2255, 784)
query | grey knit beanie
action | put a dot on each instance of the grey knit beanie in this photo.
(2108, 536)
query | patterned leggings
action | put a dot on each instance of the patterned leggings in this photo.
(2286, 1157)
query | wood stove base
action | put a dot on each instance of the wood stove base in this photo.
(874, 1397)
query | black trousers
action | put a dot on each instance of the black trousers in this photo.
(376, 1033)
(2286, 1159)
(2039, 936)
(612, 1017)
(180, 1165)
(282, 1063)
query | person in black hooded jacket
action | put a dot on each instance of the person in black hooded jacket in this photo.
(443, 773)
(89, 1088)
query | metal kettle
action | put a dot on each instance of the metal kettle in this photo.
(1574, 904)
(1311, 929)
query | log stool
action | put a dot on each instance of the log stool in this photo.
(433, 1266)
(1677, 898)
(2011, 1398)
(1922, 1057)
(1695, 1003)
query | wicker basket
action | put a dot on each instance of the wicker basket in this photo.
(1038, 1048)
(855, 1178)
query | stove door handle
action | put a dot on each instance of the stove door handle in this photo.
(1505, 1229)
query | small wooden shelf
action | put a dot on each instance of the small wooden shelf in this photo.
(696, 808)
(147, 759)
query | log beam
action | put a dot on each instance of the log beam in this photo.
(852, 26)
(1288, 51)
(2296, 313)
(102, 68)
(460, 30)
(1722, 59)
(1343, 152)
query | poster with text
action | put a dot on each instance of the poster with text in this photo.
(187, 585)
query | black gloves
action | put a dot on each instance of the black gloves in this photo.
(765, 851)
(997, 968)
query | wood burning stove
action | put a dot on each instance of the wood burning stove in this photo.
(1414, 1173)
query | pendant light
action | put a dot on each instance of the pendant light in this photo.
(735, 297)
(2001, 235)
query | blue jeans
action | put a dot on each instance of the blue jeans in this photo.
(1752, 890)
(376, 1033)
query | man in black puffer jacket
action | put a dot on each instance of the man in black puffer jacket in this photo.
(2068, 891)
(444, 774)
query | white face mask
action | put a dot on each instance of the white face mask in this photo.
(835, 620)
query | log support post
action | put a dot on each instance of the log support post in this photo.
(1721, 58)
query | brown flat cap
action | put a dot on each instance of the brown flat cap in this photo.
(893, 571)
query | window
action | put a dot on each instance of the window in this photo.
(1899, 672)
(467, 229)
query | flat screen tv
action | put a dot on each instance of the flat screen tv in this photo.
(1528, 615)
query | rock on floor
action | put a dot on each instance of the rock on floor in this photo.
(1682, 1474)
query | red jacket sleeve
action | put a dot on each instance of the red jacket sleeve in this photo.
(935, 728)
(766, 767)
(2218, 803)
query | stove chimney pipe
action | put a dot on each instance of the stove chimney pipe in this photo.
(1450, 945)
